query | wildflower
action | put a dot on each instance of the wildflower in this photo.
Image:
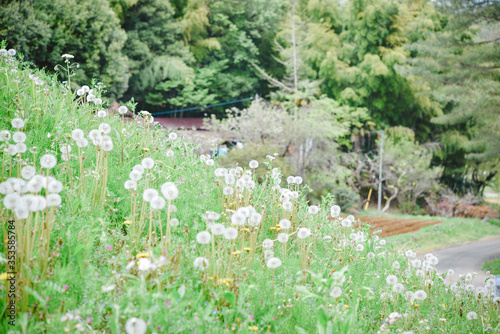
(335, 211)
(108, 288)
(80, 92)
(336, 292)
(135, 326)
(253, 328)
(19, 137)
(253, 164)
(21, 212)
(346, 223)
(398, 288)
(174, 222)
(229, 179)
(169, 191)
(128, 222)
(285, 224)
(303, 233)
(169, 153)
(27, 172)
(290, 179)
(67, 56)
(77, 134)
(144, 264)
(283, 237)
(86, 88)
(12, 52)
(218, 229)
(147, 163)
(5, 135)
(201, 263)
(471, 315)
(433, 260)
(254, 219)
(230, 233)
(98, 101)
(391, 279)
(107, 146)
(48, 161)
(17, 123)
(273, 263)
(287, 205)
(104, 128)
(130, 185)
(420, 295)
(149, 194)
(410, 296)
(203, 237)
(238, 218)
(313, 209)
(297, 180)
(55, 186)
(382, 242)
(396, 265)
(228, 191)
(469, 287)
(157, 203)
(122, 110)
(54, 200)
(268, 244)
(360, 247)
(142, 255)
(209, 162)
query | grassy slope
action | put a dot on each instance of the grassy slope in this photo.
(450, 232)
(88, 273)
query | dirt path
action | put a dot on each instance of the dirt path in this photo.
(392, 226)
(468, 257)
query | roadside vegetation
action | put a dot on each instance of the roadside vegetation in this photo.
(122, 227)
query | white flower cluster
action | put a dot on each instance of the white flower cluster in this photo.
(98, 136)
(91, 95)
(236, 180)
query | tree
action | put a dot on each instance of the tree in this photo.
(460, 64)
(44, 30)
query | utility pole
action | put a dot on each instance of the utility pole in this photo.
(380, 172)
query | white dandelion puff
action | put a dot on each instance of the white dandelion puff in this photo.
(303, 233)
(285, 224)
(201, 263)
(48, 161)
(148, 163)
(203, 237)
(149, 194)
(230, 233)
(335, 211)
(273, 263)
(253, 164)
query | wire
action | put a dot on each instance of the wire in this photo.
(200, 107)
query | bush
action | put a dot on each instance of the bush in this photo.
(346, 198)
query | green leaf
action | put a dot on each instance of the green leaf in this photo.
(322, 316)
(230, 297)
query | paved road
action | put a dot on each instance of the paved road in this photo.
(467, 258)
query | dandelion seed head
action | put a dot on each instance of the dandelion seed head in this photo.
(201, 263)
(130, 185)
(5, 135)
(48, 161)
(287, 205)
(122, 110)
(420, 295)
(283, 237)
(135, 175)
(203, 237)
(104, 128)
(335, 292)
(253, 164)
(157, 203)
(149, 194)
(230, 233)
(335, 211)
(391, 279)
(238, 218)
(398, 288)
(148, 163)
(273, 263)
(268, 243)
(303, 233)
(19, 137)
(285, 224)
(313, 209)
(169, 191)
(17, 123)
(174, 222)
(54, 200)
(218, 229)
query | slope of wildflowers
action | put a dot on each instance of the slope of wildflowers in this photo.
(122, 227)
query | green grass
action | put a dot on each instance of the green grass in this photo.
(450, 232)
(492, 266)
(93, 281)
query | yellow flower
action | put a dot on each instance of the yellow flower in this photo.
(127, 222)
(145, 149)
(253, 328)
(443, 305)
(236, 252)
(146, 254)
(3, 276)
(346, 306)
(272, 228)
(248, 249)
(278, 228)
(247, 230)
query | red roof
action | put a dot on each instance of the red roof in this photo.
(181, 122)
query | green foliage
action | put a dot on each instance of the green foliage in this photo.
(44, 30)
(345, 197)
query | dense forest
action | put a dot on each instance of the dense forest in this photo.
(426, 72)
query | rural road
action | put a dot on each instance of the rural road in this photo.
(467, 258)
